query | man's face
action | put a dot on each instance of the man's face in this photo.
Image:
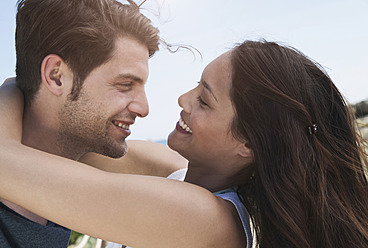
(112, 96)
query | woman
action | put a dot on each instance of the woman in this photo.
(265, 123)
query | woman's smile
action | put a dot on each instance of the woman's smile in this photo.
(184, 127)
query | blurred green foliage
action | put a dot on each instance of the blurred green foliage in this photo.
(76, 237)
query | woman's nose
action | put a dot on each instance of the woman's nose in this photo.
(185, 101)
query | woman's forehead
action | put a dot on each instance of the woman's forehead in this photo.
(217, 77)
(218, 69)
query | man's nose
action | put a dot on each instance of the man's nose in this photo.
(139, 105)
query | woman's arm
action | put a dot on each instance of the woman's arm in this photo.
(11, 111)
(139, 211)
(143, 158)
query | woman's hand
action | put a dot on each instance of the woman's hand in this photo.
(11, 111)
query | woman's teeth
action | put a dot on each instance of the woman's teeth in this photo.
(121, 125)
(184, 126)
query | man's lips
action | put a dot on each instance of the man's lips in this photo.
(120, 124)
(123, 127)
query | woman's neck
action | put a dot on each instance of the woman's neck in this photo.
(214, 180)
(207, 179)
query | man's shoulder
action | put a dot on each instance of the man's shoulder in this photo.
(18, 231)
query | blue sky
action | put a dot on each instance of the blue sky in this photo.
(332, 32)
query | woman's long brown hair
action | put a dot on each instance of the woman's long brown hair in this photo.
(309, 189)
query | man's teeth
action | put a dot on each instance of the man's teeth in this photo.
(184, 126)
(121, 125)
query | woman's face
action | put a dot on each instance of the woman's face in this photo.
(203, 133)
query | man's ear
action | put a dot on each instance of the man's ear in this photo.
(245, 151)
(52, 74)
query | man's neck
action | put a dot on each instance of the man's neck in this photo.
(41, 134)
(37, 134)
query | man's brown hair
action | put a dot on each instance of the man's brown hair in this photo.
(82, 33)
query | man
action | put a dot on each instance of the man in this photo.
(82, 66)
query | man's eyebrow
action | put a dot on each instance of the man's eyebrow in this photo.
(129, 76)
(206, 86)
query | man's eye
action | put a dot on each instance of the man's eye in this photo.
(124, 86)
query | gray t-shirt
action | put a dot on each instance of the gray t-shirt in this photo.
(19, 232)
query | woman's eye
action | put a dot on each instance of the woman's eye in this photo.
(201, 102)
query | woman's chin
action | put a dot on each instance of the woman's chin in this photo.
(171, 140)
(175, 143)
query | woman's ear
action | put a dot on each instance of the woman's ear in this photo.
(52, 74)
(245, 151)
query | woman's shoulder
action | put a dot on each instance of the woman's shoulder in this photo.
(234, 203)
(226, 213)
(234, 221)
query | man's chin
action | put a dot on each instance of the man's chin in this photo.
(118, 152)
(116, 155)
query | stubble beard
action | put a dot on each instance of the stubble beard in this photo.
(85, 128)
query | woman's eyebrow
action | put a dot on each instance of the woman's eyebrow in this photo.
(206, 86)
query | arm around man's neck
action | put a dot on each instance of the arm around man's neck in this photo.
(11, 112)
